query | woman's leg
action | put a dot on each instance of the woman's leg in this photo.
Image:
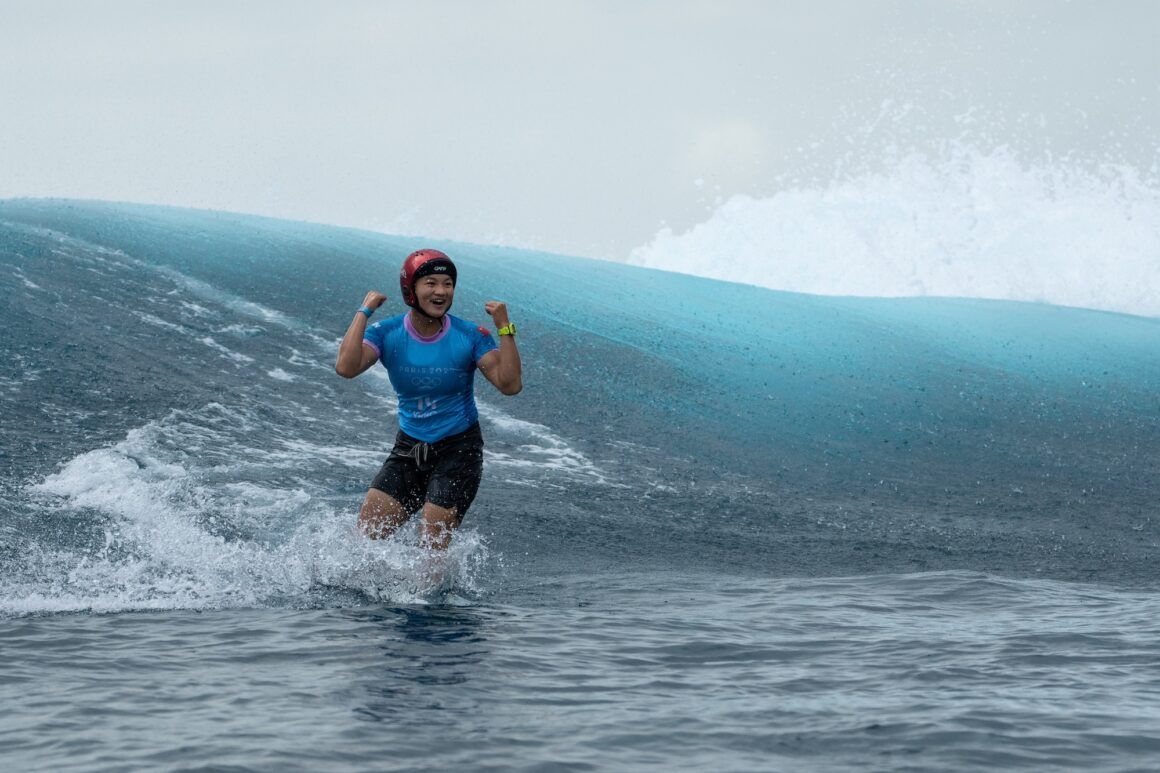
(439, 523)
(381, 514)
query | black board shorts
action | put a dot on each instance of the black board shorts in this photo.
(445, 473)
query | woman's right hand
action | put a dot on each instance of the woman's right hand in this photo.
(374, 299)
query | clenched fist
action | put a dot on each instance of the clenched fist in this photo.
(498, 312)
(374, 299)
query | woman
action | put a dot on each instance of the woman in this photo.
(431, 357)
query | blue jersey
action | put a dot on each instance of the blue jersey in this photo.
(434, 377)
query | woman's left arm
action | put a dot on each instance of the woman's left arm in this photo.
(502, 366)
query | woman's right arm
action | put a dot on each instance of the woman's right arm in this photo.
(353, 356)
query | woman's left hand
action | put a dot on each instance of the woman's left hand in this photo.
(498, 312)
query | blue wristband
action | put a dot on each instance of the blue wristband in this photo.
(367, 310)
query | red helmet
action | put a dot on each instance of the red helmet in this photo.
(421, 263)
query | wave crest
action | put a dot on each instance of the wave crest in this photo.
(961, 222)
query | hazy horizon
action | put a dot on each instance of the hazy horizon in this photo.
(574, 127)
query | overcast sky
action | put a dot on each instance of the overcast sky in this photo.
(577, 127)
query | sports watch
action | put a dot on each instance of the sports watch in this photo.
(507, 330)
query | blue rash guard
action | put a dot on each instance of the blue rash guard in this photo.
(434, 377)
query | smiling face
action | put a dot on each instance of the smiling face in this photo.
(434, 294)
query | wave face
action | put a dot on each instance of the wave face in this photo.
(175, 436)
(952, 222)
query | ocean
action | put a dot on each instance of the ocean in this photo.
(724, 527)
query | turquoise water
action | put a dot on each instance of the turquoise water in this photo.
(723, 527)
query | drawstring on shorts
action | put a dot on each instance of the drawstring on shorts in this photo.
(423, 454)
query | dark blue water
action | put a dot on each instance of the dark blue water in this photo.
(722, 528)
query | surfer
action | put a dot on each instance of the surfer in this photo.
(430, 356)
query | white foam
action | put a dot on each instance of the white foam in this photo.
(280, 375)
(964, 223)
(358, 457)
(88, 252)
(155, 320)
(161, 495)
(225, 350)
(197, 309)
(540, 450)
(28, 283)
(214, 294)
(22, 372)
(305, 360)
(245, 331)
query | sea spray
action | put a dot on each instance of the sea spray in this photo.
(186, 521)
(958, 221)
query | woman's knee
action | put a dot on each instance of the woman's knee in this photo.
(381, 514)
